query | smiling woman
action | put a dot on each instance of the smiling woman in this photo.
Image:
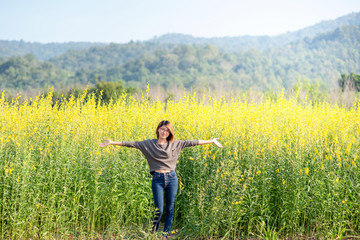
(162, 154)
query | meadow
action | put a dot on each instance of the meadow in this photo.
(288, 169)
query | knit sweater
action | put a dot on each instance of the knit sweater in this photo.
(161, 156)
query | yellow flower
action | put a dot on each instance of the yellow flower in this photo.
(307, 171)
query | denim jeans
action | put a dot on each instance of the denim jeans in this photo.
(164, 183)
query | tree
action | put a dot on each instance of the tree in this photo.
(349, 82)
(108, 90)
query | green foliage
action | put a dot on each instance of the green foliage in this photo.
(349, 82)
(102, 57)
(110, 90)
(22, 73)
(104, 91)
(187, 66)
(314, 92)
(321, 59)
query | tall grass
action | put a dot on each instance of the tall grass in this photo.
(287, 169)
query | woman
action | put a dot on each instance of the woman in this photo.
(162, 154)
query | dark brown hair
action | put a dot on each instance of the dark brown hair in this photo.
(169, 126)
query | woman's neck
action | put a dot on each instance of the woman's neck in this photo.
(162, 140)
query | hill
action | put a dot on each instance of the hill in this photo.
(322, 58)
(42, 51)
(106, 56)
(231, 44)
(243, 43)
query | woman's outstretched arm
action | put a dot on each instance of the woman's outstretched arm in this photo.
(214, 140)
(108, 142)
(202, 142)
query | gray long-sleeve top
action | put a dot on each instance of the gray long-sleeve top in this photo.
(161, 156)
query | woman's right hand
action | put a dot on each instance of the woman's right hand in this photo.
(105, 143)
(215, 140)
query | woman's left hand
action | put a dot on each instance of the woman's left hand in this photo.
(105, 143)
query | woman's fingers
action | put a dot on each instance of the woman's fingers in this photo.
(105, 143)
(217, 143)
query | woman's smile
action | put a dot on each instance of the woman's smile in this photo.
(164, 132)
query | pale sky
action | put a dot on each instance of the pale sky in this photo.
(121, 21)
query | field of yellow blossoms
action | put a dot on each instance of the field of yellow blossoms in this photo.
(287, 169)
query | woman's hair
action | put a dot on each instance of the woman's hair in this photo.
(169, 126)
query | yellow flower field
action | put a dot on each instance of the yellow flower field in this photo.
(287, 168)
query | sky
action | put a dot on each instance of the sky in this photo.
(121, 21)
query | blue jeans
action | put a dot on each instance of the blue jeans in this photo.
(164, 183)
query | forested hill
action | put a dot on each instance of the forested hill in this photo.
(108, 56)
(241, 43)
(42, 51)
(322, 58)
(231, 44)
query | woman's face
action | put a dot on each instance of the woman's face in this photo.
(163, 132)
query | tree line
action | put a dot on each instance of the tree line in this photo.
(320, 59)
